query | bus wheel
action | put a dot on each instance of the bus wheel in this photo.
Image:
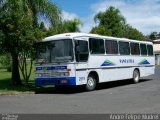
(136, 76)
(91, 83)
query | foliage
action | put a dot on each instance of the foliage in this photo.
(44, 8)
(101, 30)
(112, 23)
(65, 27)
(19, 23)
(5, 62)
(1, 38)
(71, 25)
(133, 33)
(16, 20)
(154, 36)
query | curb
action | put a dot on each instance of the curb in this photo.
(17, 93)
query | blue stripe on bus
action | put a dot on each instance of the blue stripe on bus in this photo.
(51, 68)
(55, 81)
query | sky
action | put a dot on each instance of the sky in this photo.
(143, 15)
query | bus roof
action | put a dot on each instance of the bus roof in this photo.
(76, 35)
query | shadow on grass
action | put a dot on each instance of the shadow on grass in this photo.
(7, 87)
(81, 89)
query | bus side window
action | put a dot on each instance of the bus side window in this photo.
(135, 49)
(150, 50)
(111, 47)
(143, 49)
(124, 48)
(96, 46)
(81, 50)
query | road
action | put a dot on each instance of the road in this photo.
(112, 97)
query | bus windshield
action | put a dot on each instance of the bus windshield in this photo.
(54, 51)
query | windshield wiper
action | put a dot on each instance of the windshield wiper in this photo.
(63, 59)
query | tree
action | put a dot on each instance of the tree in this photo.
(1, 38)
(19, 23)
(154, 36)
(65, 26)
(71, 25)
(46, 9)
(133, 33)
(14, 22)
(101, 30)
(112, 23)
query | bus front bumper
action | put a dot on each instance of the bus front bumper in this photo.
(68, 81)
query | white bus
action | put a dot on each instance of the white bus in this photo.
(73, 59)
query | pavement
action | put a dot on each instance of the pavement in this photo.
(111, 97)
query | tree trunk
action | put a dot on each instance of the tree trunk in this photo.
(15, 70)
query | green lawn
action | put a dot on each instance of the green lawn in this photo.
(6, 86)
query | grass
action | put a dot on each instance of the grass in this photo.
(6, 86)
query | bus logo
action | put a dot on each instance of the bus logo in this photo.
(126, 60)
(44, 69)
(144, 62)
(108, 63)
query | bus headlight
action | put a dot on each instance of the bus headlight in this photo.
(66, 74)
(38, 75)
(60, 74)
(42, 74)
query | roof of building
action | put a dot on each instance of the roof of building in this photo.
(158, 40)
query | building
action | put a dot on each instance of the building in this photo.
(156, 48)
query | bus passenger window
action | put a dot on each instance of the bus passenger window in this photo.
(135, 49)
(143, 49)
(111, 47)
(124, 48)
(150, 49)
(96, 46)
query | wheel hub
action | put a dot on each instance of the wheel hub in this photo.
(90, 82)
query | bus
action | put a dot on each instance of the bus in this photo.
(74, 59)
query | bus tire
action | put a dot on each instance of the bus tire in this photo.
(91, 83)
(136, 76)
